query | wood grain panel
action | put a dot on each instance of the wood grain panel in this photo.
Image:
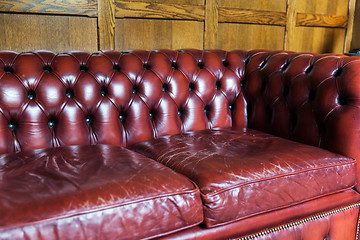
(189, 2)
(355, 43)
(106, 24)
(319, 40)
(319, 20)
(235, 15)
(24, 32)
(327, 7)
(154, 34)
(264, 5)
(68, 7)
(289, 37)
(211, 24)
(158, 10)
(350, 26)
(249, 36)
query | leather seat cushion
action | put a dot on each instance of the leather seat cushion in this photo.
(242, 173)
(92, 192)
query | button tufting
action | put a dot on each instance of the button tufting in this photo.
(147, 66)
(337, 72)
(207, 111)
(83, 68)
(246, 61)
(31, 94)
(309, 69)
(89, 119)
(122, 117)
(200, 65)
(174, 65)
(231, 107)
(135, 89)
(262, 65)
(69, 93)
(218, 85)
(285, 66)
(165, 87)
(52, 123)
(103, 91)
(47, 69)
(180, 113)
(152, 114)
(8, 70)
(191, 87)
(116, 68)
(12, 125)
(225, 63)
(242, 84)
(342, 101)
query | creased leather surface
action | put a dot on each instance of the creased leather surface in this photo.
(242, 173)
(270, 219)
(92, 192)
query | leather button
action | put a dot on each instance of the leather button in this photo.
(246, 61)
(200, 65)
(337, 72)
(165, 87)
(69, 93)
(285, 66)
(116, 68)
(51, 124)
(47, 69)
(180, 113)
(152, 114)
(147, 66)
(89, 120)
(207, 111)
(191, 87)
(218, 85)
(135, 89)
(174, 65)
(225, 63)
(103, 91)
(309, 69)
(122, 117)
(83, 69)
(8, 70)
(31, 94)
(12, 126)
(342, 101)
(262, 65)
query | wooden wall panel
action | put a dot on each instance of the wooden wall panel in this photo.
(24, 32)
(298, 25)
(320, 40)
(154, 34)
(190, 2)
(265, 5)
(249, 36)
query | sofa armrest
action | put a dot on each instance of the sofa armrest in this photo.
(313, 99)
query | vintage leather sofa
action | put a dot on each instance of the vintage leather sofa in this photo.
(182, 144)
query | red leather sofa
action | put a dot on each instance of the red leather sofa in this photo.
(182, 144)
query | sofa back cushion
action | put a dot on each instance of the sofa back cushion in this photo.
(117, 98)
(313, 99)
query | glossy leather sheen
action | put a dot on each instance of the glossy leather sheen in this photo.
(270, 219)
(242, 173)
(77, 98)
(92, 192)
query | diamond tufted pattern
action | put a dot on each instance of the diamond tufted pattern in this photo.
(122, 98)
(51, 100)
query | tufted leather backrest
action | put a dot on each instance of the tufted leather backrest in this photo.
(121, 98)
(118, 98)
(313, 99)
